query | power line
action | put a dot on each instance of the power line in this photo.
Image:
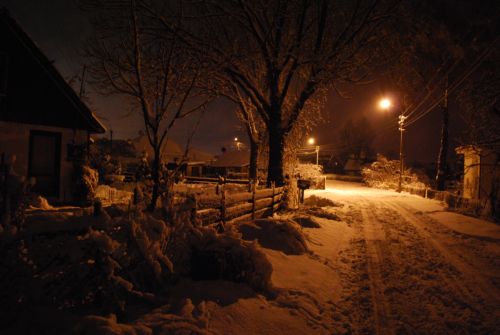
(458, 82)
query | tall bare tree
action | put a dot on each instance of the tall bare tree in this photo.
(157, 74)
(281, 53)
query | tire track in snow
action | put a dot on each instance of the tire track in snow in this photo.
(472, 283)
(372, 229)
(457, 289)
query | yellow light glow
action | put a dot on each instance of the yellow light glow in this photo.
(236, 139)
(310, 140)
(385, 103)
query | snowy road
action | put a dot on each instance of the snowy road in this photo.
(411, 268)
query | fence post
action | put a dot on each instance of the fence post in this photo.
(223, 205)
(272, 199)
(253, 201)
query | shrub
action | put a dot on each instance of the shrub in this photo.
(384, 173)
(87, 180)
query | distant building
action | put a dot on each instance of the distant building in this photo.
(43, 123)
(236, 164)
(193, 161)
(232, 164)
(481, 172)
(353, 165)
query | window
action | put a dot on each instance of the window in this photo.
(3, 73)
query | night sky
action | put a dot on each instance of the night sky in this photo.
(59, 29)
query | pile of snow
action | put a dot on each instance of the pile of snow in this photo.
(282, 235)
(189, 319)
(321, 213)
(39, 202)
(306, 221)
(317, 201)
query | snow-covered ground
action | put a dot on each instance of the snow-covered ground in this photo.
(394, 264)
(373, 262)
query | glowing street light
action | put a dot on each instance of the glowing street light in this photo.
(386, 104)
(238, 143)
(311, 141)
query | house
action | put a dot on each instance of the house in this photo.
(236, 164)
(193, 161)
(43, 122)
(481, 173)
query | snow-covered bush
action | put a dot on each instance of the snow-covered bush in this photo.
(282, 235)
(311, 172)
(86, 182)
(226, 256)
(384, 173)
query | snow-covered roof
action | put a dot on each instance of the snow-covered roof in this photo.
(239, 158)
(171, 150)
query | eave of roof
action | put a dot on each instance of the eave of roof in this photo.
(94, 125)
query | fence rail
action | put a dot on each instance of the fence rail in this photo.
(239, 206)
(216, 180)
(473, 206)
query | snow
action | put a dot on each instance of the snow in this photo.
(374, 261)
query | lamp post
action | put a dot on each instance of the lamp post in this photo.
(387, 104)
(238, 143)
(311, 142)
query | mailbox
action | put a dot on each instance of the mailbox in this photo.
(303, 184)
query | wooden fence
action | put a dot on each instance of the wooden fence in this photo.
(232, 207)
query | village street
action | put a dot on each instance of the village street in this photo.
(408, 266)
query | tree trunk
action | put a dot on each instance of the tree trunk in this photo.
(254, 159)
(155, 174)
(443, 150)
(276, 152)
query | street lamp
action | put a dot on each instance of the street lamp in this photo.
(386, 104)
(311, 141)
(238, 143)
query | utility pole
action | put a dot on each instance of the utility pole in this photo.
(443, 149)
(401, 123)
(317, 155)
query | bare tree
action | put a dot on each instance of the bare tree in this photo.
(158, 74)
(356, 137)
(281, 53)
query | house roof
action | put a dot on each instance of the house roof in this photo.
(171, 150)
(239, 158)
(51, 100)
